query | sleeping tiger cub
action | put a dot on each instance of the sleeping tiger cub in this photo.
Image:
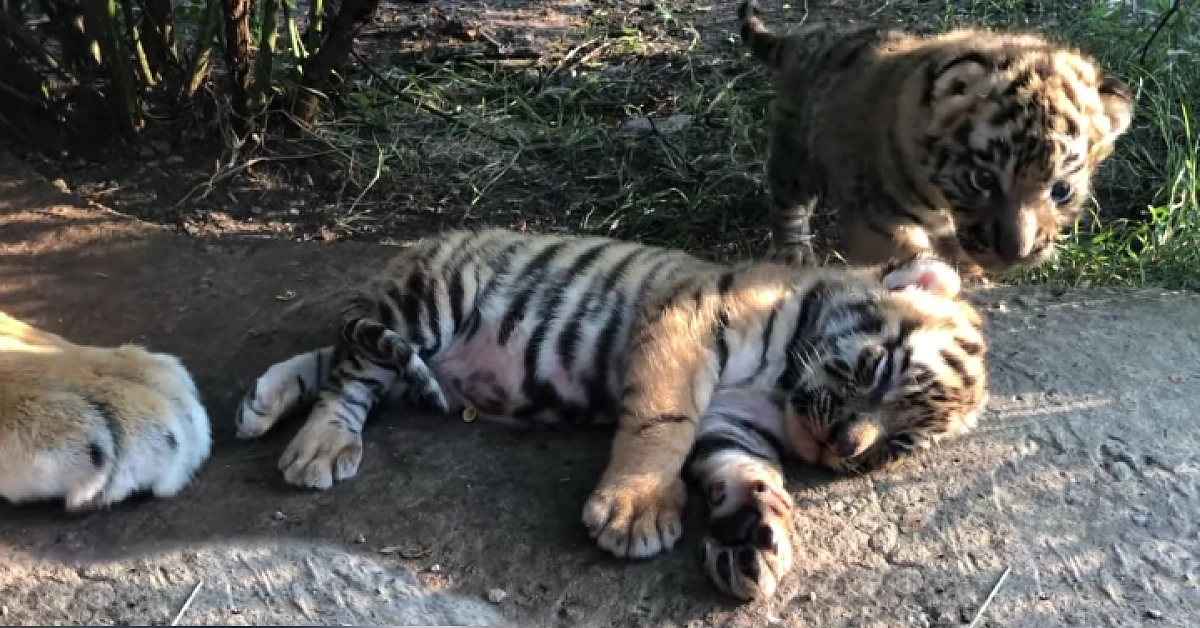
(976, 144)
(697, 363)
(93, 425)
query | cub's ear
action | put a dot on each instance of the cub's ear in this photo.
(1117, 100)
(923, 272)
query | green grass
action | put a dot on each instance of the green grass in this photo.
(485, 143)
(551, 148)
(1156, 167)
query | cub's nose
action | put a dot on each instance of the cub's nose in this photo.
(853, 438)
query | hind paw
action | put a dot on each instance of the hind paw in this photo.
(322, 452)
(269, 400)
(748, 548)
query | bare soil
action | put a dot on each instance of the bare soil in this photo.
(1084, 479)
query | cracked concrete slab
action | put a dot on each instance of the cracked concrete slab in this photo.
(1084, 477)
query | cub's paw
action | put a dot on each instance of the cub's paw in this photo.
(748, 548)
(322, 452)
(636, 517)
(267, 401)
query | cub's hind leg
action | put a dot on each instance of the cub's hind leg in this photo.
(285, 386)
(748, 547)
(372, 359)
(329, 446)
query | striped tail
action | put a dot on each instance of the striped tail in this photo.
(762, 42)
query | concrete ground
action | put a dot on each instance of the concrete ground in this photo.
(1084, 478)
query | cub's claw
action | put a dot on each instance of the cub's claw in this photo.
(636, 517)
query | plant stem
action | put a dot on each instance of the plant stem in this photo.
(100, 25)
(139, 51)
(203, 51)
(268, 36)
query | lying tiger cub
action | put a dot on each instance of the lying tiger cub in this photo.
(93, 425)
(687, 356)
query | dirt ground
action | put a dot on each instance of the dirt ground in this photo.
(1084, 478)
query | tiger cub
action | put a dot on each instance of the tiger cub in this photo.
(93, 425)
(702, 366)
(976, 144)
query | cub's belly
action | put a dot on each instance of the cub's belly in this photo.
(504, 383)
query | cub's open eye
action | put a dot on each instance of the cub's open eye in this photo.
(1061, 192)
(985, 180)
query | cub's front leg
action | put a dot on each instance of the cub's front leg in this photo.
(748, 548)
(670, 374)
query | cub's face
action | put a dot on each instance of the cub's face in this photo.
(1013, 139)
(921, 377)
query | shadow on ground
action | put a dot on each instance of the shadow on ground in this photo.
(1083, 478)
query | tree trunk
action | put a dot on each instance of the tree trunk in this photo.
(353, 15)
(237, 54)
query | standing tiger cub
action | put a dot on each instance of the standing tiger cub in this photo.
(975, 144)
(93, 425)
(715, 370)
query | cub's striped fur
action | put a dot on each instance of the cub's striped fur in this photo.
(690, 358)
(92, 425)
(978, 145)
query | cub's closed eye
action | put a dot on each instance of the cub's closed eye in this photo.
(985, 180)
(1061, 192)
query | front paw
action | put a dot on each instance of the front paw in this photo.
(323, 451)
(636, 517)
(748, 550)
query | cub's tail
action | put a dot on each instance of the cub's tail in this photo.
(763, 43)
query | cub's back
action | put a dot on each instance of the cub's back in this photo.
(529, 277)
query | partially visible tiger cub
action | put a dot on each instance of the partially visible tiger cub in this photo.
(92, 425)
(978, 145)
(690, 358)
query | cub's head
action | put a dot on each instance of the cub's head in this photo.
(1016, 127)
(900, 368)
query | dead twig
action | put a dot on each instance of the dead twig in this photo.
(988, 601)
(187, 603)
(671, 148)
(454, 56)
(233, 170)
(23, 97)
(1162, 22)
